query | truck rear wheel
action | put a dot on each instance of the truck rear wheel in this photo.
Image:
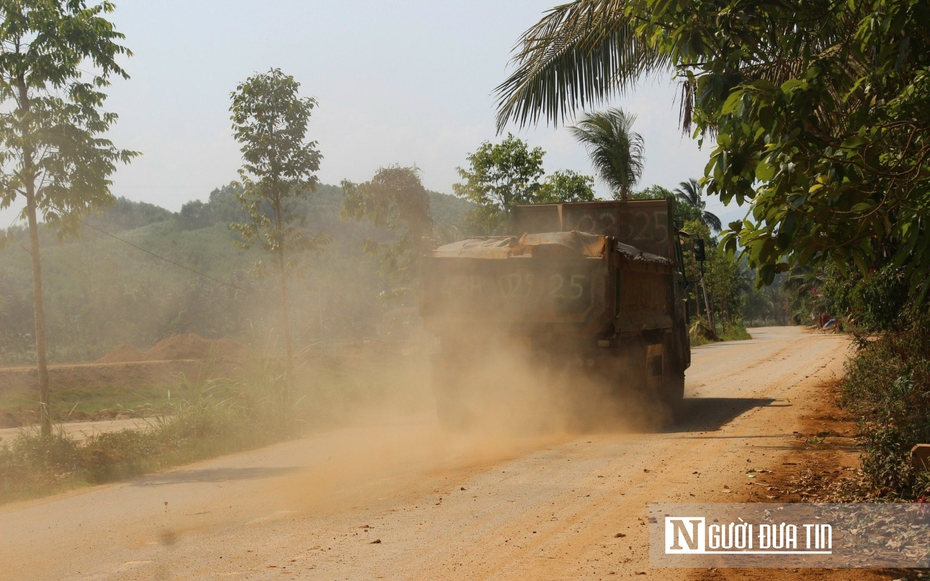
(672, 389)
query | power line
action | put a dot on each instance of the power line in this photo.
(169, 261)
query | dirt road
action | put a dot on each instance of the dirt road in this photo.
(399, 499)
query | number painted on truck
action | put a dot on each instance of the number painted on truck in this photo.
(577, 281)
(516, 285)
(574, 290)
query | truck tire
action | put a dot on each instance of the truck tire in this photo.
(632, 376)
(672, 390)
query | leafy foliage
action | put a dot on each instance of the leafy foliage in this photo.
(872, 303)
(221, 206)
(617, 152)
(819, 110)
(566, 186)
(888, 385)
(393, 200)
(769, 305)
(51, 151)
(101, 293)
(690, 193)
(50, 146)
(722, 275)
(270, 121)
(581, 53)
(504, 175)
(498, 178)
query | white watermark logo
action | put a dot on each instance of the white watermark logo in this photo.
(694, 536)
(789, 535)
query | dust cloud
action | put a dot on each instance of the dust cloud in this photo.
(508, 400)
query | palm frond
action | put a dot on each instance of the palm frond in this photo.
(617, 152)
(690, 192)
(712, 221)
(579, 54)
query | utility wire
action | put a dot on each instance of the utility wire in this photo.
(169, 261)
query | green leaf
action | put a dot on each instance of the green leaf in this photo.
(764, 85)
(861, 263)
(792, 84)
(854, 142)
(733, 102)
(764, 171)
(767, 274)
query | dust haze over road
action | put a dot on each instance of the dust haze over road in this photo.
(397, 498)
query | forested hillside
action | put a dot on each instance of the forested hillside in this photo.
(101, 292)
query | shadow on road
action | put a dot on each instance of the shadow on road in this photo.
(213, 475)
(705, 414)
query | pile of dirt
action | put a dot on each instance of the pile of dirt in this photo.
(187, 346)
(123, 354)
(227, 349)
(180, 347)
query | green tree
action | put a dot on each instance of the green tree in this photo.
(51, 150)
(722, 289)
(617, 152)
(683, 212)
(565, 186)
(498, 178)
(270, 121)
(819, 111)
(395, 200)
(690, 193)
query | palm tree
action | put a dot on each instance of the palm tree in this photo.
(615, 149)
(585, 52)
(690, 193)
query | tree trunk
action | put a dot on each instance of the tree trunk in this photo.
(28, 178)
(697, 300)
(710, 313)
(285, 303)
(286, 313)
(45, 417)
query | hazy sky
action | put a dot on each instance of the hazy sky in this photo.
(399, 82)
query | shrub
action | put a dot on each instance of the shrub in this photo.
(888, 386)
(216, 417)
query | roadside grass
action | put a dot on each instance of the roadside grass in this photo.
(734, 331)
(106, 402)
(701, 333)
(206, 418)
(215, 417)
(887, 386)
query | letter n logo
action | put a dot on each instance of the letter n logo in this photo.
(684, 535)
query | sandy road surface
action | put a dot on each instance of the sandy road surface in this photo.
(442, 507)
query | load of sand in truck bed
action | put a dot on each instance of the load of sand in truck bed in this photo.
(547, 244)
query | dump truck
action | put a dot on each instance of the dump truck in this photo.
(595, 286)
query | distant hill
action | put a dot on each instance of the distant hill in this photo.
(101, 292)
